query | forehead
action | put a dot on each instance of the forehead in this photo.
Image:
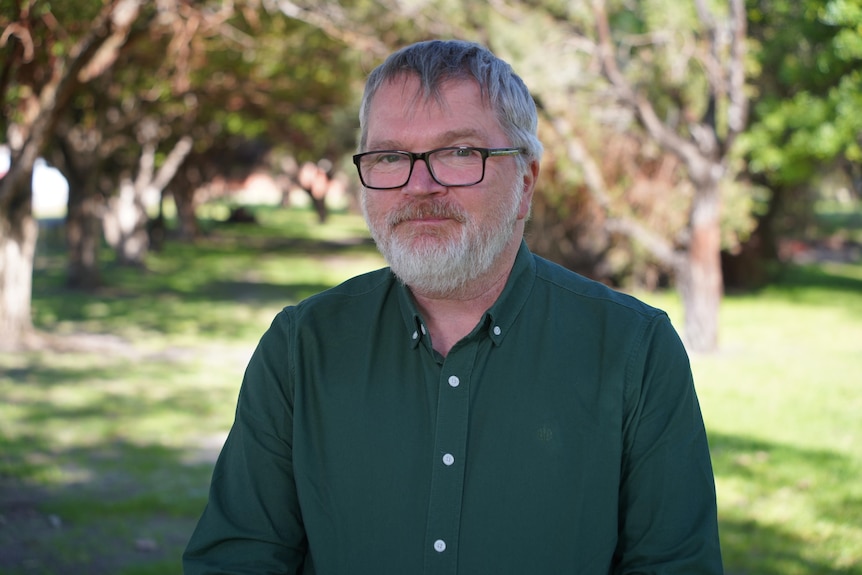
(402, 111)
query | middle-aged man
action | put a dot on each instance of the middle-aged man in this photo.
(472, 408)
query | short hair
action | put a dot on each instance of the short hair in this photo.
(436, 61)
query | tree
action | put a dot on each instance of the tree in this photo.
(44, 65)
(703, 141)
(677, 70)
(121, 93)
(264, 85)
(806, 119)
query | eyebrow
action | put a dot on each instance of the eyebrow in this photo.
(448, 136)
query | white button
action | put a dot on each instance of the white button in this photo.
(415, 334)
(439, 546)
(454, 381)
(497, 330)
(448, 459)
(422, 327)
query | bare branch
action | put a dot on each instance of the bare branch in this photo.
(146, 165)
(172, 164)
(333, 21)
(705, 15)
(577, 153)
(24, 37)
(738, 109)
(666, 137)
(654, 243)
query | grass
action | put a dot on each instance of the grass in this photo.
(106, 450)
(781, 403)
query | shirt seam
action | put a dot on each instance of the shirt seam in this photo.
(629, 380)
(645, 311)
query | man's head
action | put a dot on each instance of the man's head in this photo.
(449, 161)
(437, 61)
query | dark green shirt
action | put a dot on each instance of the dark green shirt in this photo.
(562, 436)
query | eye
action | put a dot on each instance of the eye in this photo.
(463, 152)
(391, 158)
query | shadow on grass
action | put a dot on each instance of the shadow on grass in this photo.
(123, 501)
(837, 278)
(208, 286)
(750, 548)
(769, 474)
(119, 503)
(116, 508)
(103, 469)
(830, 284)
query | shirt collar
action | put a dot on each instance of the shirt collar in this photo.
(498, 319)
(502, 315)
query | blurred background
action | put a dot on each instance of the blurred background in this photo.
(172, 173)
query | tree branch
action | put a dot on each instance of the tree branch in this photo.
(172, 163)
(655, 244)
(737, 115)
(577, 153)
(115, 19)
(333, 21)
(666, 137)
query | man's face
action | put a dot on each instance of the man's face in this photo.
(437, 238)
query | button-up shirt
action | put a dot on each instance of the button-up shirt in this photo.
(563, 435)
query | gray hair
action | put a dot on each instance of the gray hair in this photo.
(436, 61)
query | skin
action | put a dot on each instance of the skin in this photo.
(400, 120)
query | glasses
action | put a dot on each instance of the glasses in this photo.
(455, 166)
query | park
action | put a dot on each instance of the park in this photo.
(719, 141)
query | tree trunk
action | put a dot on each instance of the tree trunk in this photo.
(700, 279)
(186, 215)
(18, 233)
(83, 238)
(125, 225)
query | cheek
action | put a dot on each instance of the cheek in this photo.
(375, 208)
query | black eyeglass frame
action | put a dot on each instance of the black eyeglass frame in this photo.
(484, 152)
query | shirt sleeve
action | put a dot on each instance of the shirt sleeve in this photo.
(668, 518)
(252, 522)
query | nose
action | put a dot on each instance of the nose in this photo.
(421, 181)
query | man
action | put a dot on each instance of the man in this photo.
(473, 408)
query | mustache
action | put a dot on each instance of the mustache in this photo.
(426, 209)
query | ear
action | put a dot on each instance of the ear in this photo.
(529, 185)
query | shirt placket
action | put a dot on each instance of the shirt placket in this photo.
(450, 451)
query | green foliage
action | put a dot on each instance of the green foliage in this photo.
(285, 84)
(810, 87)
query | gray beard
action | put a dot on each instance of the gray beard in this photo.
(443, 269)
(438, 267)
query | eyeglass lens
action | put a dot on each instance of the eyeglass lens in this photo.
(449, 166)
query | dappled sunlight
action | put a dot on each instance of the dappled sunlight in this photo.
(110, 432)
(768, 491)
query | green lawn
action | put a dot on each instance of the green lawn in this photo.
(107, 439)
(782, 404)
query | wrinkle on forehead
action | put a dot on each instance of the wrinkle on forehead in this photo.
(426, 93)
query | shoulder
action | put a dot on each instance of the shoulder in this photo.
(360, 295)
(567, 286)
